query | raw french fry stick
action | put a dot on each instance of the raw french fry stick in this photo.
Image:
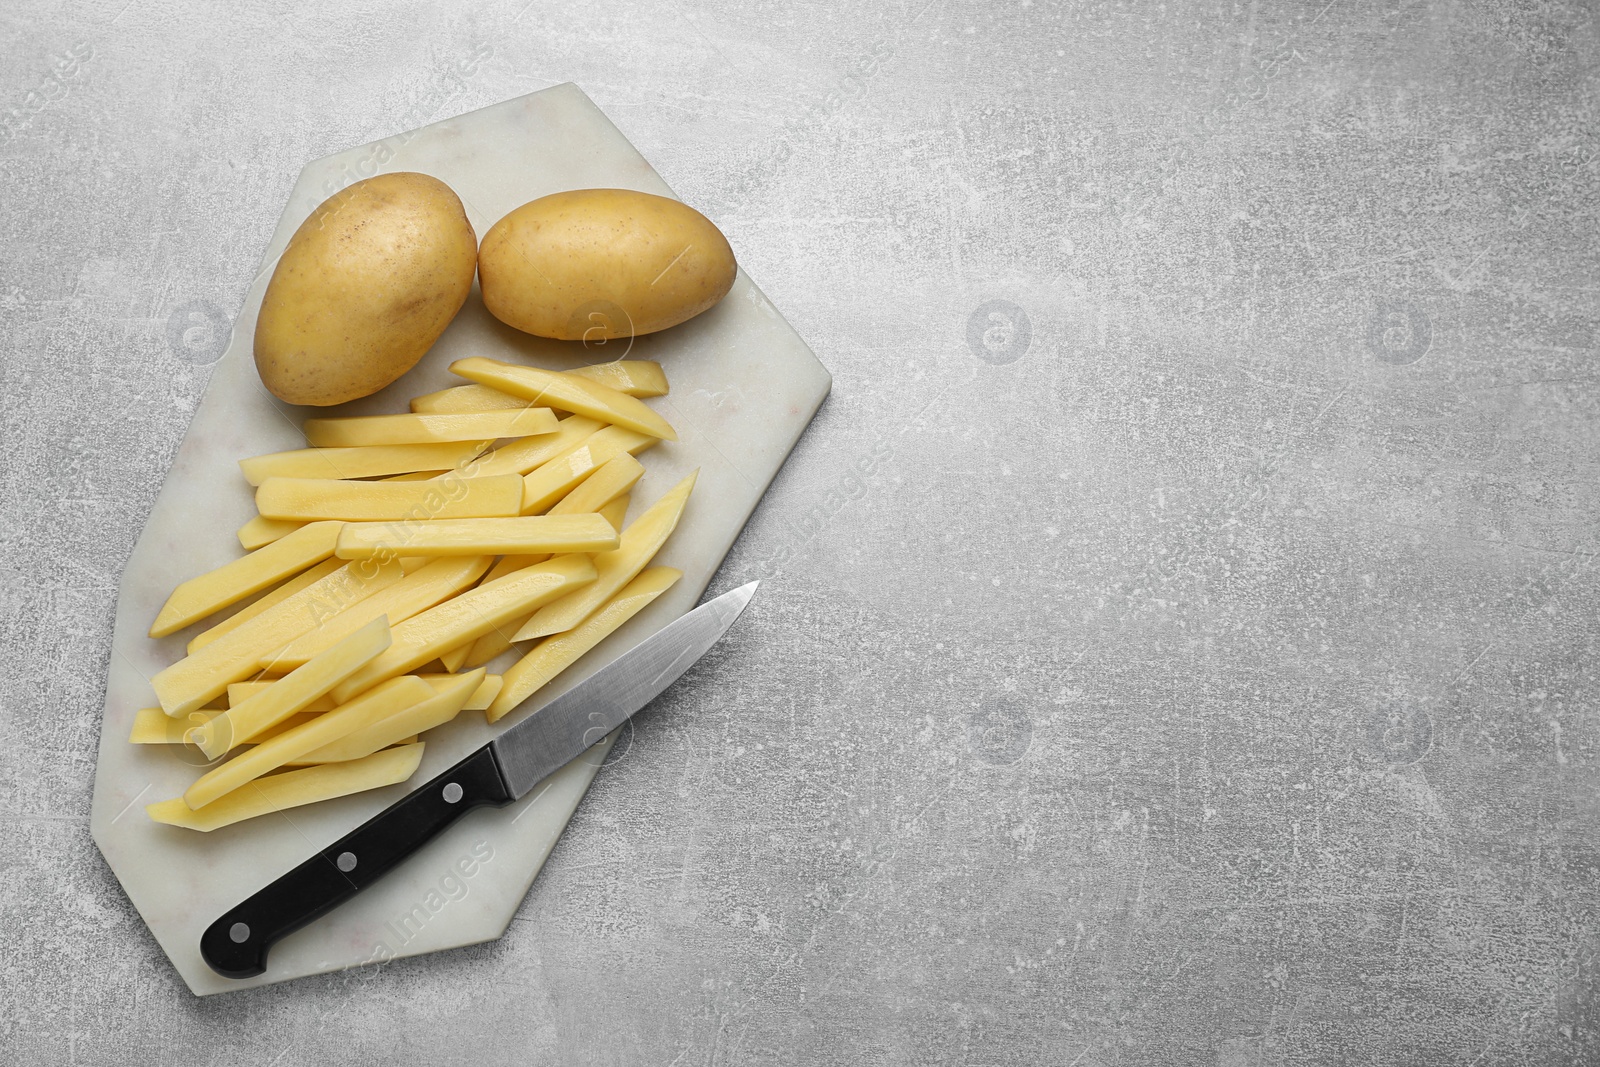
(636, 377)
(259, 531)
(418, 591)
(520, 457)
(614, 569)
(453, 659)
(265, 601)
(269, 755)
(492, 643)
(465, 398)
(414, 476)
(232, 582)
(152, 727)
(293, 789)
(287, 724)
(555, 654)
(312, 759)
(450, 497)
(615, 512)
(547, 534)
(508, 564)
(369, 462)
(441, 707)
(567, 392)
(467, 617)
(369, 430)
(631, 376)
(613, 478)
(550, 481)
(295, 691)
(481, 697)
(192, 681)
(239, 692)
(480, 701)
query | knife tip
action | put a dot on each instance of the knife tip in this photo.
(738, 598)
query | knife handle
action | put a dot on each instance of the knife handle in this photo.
(235, 946)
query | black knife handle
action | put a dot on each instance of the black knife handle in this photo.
(236, 945)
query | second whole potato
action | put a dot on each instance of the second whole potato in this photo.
(593, 264)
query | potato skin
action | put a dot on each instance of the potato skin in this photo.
(365, 287)
(592, 264)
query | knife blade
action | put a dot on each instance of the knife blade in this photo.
(504, 770)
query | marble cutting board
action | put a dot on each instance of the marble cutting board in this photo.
(744, 386)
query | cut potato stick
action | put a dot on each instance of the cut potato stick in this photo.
(568, 392)
(414, 476)
(611, 479)
(192, 681)
(312, 759)
(453, 659)
(520, 457)
(481, 697)
(528, 535)
(151, 726)
(259, 531)
(468, 617)
(465, 398)
(269, 755)
(445, 703)
(485, 426)
(632, 376)
(371, 462)
(615, 512)
(287, 724)
(510, 564)
(239, 692)
(232, 582)
(492, 644)
(550, 481)
(256, 607)
(416, 592)
(636, 377)
(443, 498)
(293, 789)
(615, 569)
(295, 691)
(555, 654)
(485, 693)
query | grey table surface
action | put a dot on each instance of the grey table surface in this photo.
(1179, 645)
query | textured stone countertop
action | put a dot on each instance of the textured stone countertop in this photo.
(1180, 645)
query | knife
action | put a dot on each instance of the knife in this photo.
(504, 770)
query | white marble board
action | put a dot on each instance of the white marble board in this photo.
(744, 386)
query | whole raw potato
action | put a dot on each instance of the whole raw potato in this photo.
(365, 287)
(592, 264)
